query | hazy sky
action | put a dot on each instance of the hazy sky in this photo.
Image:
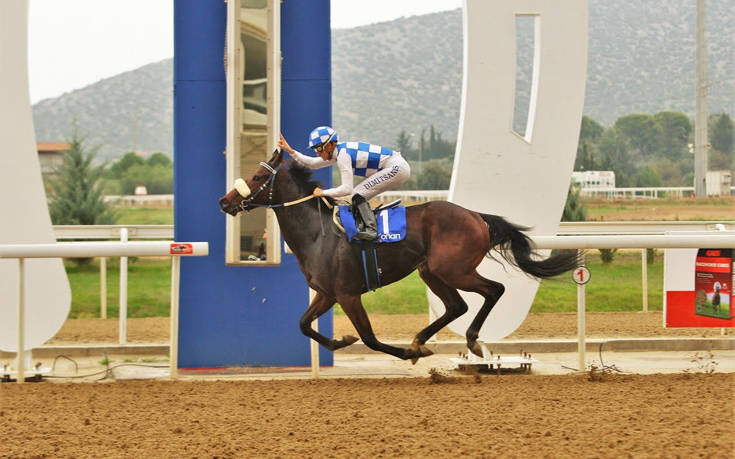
(73, 43)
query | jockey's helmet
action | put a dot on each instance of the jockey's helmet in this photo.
(321, 136)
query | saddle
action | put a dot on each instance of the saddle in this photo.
(391, 220)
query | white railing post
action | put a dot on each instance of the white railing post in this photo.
(103, 287)
(20, 373)
(123, 315)
(644, 278)
(314, 346)
(174, 339)
(581, 313)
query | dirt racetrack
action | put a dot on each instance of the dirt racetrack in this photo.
(680, 415)
(441, 415)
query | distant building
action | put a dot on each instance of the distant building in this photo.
(718, 183)
(594, 179)
(51, 155)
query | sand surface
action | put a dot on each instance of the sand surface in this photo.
(679, 415)
(441, 415)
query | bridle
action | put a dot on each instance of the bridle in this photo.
(269, 184)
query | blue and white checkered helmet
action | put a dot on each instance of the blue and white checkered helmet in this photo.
(321, 135)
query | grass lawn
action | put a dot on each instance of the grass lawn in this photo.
(149, 287)
(615, 287)
(145, 215)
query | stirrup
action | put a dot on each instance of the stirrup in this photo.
(366, 235)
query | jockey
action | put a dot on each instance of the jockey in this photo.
(383, 169)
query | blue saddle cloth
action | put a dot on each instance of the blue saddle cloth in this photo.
(391, 223)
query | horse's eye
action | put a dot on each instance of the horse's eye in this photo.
(257, 179)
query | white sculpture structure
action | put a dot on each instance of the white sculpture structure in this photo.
(23, 210)
(523, 177)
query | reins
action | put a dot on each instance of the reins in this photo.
(269, 183)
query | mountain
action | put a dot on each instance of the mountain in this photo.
(406, 74)
(132, 111)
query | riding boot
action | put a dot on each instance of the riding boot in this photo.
(368, 225)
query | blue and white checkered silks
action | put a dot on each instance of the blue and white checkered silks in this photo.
(320, 135)
(367, 158)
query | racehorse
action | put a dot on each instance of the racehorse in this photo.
(444, 241)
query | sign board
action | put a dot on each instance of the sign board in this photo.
(581, 275)
(698, 288)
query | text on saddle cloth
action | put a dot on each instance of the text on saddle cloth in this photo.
(391, 223)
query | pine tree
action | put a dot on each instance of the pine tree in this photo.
(574, 210)
(76, 189)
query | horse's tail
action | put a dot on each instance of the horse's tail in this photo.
(508, 239)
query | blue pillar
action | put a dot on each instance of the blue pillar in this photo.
(239, 316)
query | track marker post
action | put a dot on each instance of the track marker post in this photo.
(314, 346)
(581, 276)
(174, 333)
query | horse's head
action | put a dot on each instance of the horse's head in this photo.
(258, 189)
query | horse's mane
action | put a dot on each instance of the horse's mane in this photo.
(303, 178)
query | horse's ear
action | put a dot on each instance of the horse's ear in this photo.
(277, 157)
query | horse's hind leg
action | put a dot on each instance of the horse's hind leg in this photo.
(454, 306)
(495, 291)
(319, 305)
(491, 290)
(352, 306)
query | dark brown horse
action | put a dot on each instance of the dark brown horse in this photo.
(444, 241)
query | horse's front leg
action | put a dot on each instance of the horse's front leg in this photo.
(352, 306)
(319, 305)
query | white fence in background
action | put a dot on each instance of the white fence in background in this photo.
(434, 195)
(141, 200)
(175, 250)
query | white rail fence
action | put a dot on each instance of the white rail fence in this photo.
(103, 249)
(126, 232)
(723, 236)
(607, 193)
(725, 239)
(571, 235)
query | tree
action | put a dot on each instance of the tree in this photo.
(156, 179)
(670, 172)
(614, 155)
(437, 147)
(435, 176)
(721, 133)
(120, 166)
(403, 144)
(585, 160)
(75, 191)
(717, 161)
(590, 129)
(675, 131)
(589, 134)
(648, 177)
(574, 210)
(159, 159)
(641, 131)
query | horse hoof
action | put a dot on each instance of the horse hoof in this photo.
(425, 351)
(349, 339)
(475, 349)
(422, 351)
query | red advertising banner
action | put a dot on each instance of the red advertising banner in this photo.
(178, 248)
(710, 304)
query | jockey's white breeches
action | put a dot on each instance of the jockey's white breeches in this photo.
(395, 172)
